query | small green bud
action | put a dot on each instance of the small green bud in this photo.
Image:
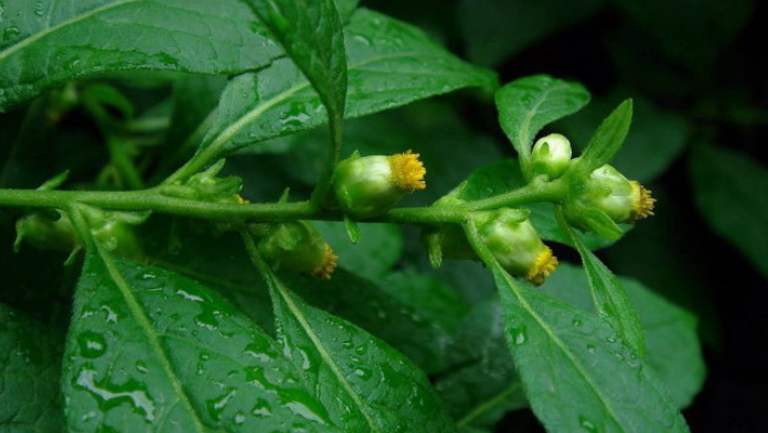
(517, 246)
(551, 156)
(46, 231)
(369, 186)
(297, 247)
(509, 235)
(114, 231)
(605, 198)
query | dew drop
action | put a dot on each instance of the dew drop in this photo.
(261, 408)
(591, 348)
(92, 345)
(587, 425)
(302, 410)
(519, 335)
(576, 322)
(111, 396)
(217, 406)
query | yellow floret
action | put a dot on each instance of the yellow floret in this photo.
(545, 264)
(643, 205)
(325, 269)
(407, 172)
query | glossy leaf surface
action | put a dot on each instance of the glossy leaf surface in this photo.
(47, 42)
(367, 385)
(673, 351)
(278, 100)
(610, 299)
(151, 351)
(528, 104)
(571, 391)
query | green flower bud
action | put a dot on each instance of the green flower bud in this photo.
(516, 245)
(510, 236)
(369, 186)
(114, 231)
(46, 231)
(607, 193)
(551, 156)
(298, 247)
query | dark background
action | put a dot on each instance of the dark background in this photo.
(704, 61)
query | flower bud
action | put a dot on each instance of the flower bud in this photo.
(518, 248)
(551, 155)
(609, 192)
(46, 231)
(510, 236)
(298, 247)
(369, 186)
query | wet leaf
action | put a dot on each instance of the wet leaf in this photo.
(151, 351)
(610, 299)
(571, 391)
(368, 386)
(278, 100)
(42, 41)
(483, 384)
(528, 104)
(673, 350)
(30, 361)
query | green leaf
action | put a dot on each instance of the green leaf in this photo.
(47, 42)
(484, 385)
(673, 349)
(368, 385)
(279, 100)
(494, 30)
(378, 250)
(353, 298)
(30, 361)
(656, 139)
(504, 176)
(610, 299)
(429, 297)
(400, 324)
(730, 193)
(576, 372)
(607, 140)
(528, 104)
(151, 351)
(311, 33)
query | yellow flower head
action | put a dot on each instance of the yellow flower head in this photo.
(407, 171)
(542, 267)
(642, 207)
(328, 264)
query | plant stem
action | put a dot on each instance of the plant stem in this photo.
(154, 200)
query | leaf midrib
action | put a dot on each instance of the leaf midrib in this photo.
(324, 354)
(49, 30)
(141, 318)
(525, 135)
(562, 346)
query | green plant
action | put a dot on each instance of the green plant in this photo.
(193, 310)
